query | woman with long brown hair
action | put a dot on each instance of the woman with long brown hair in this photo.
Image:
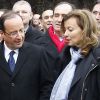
(79, 77)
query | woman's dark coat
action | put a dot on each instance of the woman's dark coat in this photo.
(86, 81)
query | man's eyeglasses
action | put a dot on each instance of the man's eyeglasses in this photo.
(15, 33)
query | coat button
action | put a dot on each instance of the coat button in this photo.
(12, 84)
(92, 64)
(85, 89)
(98, 58)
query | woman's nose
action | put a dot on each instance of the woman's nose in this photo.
(66, 34)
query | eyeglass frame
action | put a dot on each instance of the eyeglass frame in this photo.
(14, 34)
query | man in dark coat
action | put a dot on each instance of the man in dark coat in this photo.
(32, 35)
(54, 36)
(31, 77)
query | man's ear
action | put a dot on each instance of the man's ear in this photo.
(1, 35)
(31, 15)
(1, 32)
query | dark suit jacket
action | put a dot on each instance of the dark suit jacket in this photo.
(36, 37)
(33, 35)
(30, 79)
(49, 45)
(86, 81)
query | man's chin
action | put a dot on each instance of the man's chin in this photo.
(57, 28)
(18, 45)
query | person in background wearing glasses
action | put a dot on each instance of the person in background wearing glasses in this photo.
(24, 68)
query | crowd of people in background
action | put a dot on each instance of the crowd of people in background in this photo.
(50, 56)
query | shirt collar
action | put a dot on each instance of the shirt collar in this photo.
(7, 50)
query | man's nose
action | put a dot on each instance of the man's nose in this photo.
(60, 18)
(20, 13)
(50, 19)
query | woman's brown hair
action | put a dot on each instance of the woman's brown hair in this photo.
(87, 23)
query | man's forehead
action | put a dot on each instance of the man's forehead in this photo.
(63, 8)
(97, 7)
(47, 13)
(17, 17)
(24, 7)
(13, 22)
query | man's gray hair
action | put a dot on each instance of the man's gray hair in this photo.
(22, 2)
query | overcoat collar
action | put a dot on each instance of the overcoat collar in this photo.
(22, 57)
(83, 65)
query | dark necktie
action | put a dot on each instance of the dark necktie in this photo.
(11, 61)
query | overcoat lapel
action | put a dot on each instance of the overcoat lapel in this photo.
(78, 73)
(84, 66)
(3, 63)
(22, 57)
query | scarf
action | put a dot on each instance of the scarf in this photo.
(59, 44)
(62, 85)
